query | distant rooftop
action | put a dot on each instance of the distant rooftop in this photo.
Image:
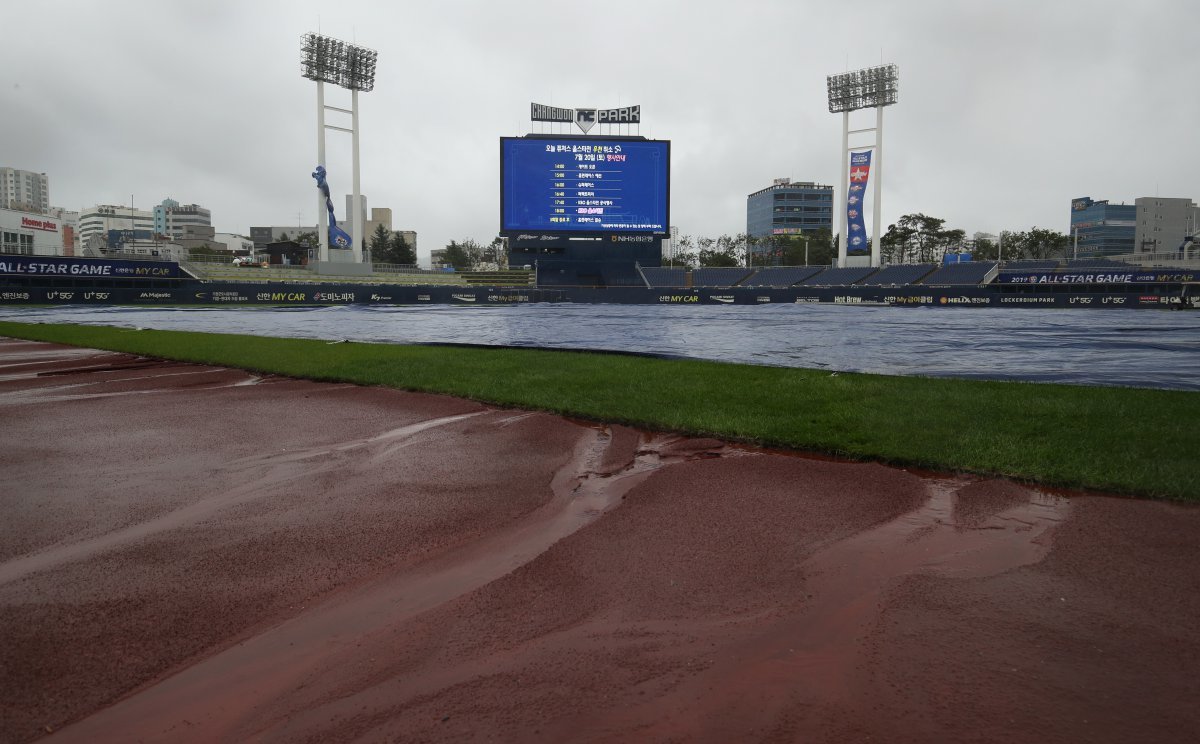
(787, 183)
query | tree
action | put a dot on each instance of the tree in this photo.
(400, 252)
(309, 239)
(494, 253)
(685, 253)
(918, 238)
(1041, 243)
(381, 245)
(464, 255)
(390, 248)
(283, 236)
(724, 251)
(820, 248)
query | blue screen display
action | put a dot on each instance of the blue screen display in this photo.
(588, 184)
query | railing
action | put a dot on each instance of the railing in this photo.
(1189, 259)
(387, 268)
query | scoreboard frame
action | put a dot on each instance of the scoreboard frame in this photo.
(595, 139)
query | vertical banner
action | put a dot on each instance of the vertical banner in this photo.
(857, 244)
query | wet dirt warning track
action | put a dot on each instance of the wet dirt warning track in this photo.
(196, 554)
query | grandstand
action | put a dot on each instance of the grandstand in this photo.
(839, 277)
(206, 269)
(664, 276)
(972, 272)
(898, 274)
(780, 276)
(719, 276)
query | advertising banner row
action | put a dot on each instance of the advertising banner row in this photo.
(285, 294)
(60, 266)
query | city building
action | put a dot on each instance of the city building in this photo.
(102, 218)
(70, 228)
(1163, 223)
(171, 218)
(264, 236)
(26, 233)
(234, 243)
(1099, 228)
(670, 246)
(410, 238)
(787, 208)
(24, 190)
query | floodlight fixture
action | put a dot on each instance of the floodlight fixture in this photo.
(325, 59)
(867, 88)
(871, 87)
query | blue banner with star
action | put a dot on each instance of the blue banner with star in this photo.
(857, 243)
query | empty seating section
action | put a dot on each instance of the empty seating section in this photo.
(621, 278)
(663, 276)
(722, 276)
(972, 272)
(781, 276)
(1029, 265)
(899, 274)
(839, 277)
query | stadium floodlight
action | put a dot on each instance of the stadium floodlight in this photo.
(328, 60)
(871, 87)
(867, 88)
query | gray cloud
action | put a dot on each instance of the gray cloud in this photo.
(1007, 109)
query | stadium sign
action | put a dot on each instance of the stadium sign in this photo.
(1102, 276)
(585, 118)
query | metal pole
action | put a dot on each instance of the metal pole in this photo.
(999, 245)
(1075, 253)
(877, 209)
(322, 212)
(840, 218)
(357, 200)
(806, 251)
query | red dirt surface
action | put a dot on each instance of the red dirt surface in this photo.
(190, 553)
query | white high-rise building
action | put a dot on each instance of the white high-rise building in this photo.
(98, 220)
(172, 219)
(24, 190)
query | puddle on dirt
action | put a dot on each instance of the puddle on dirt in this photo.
(266, 666)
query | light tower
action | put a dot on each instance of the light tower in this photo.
(328, 60)
(850, 91)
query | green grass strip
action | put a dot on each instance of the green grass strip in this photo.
(1125, 440)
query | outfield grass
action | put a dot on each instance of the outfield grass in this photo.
(1133, 441)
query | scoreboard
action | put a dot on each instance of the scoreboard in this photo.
(585, 184)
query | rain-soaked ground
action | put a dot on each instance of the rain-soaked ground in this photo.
(191, 553)
(1140, 348)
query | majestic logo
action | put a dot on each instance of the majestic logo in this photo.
(852, 213)
(854, 200)
(859, 174)
(585, 119)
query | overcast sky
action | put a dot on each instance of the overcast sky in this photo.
(1007, 109)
